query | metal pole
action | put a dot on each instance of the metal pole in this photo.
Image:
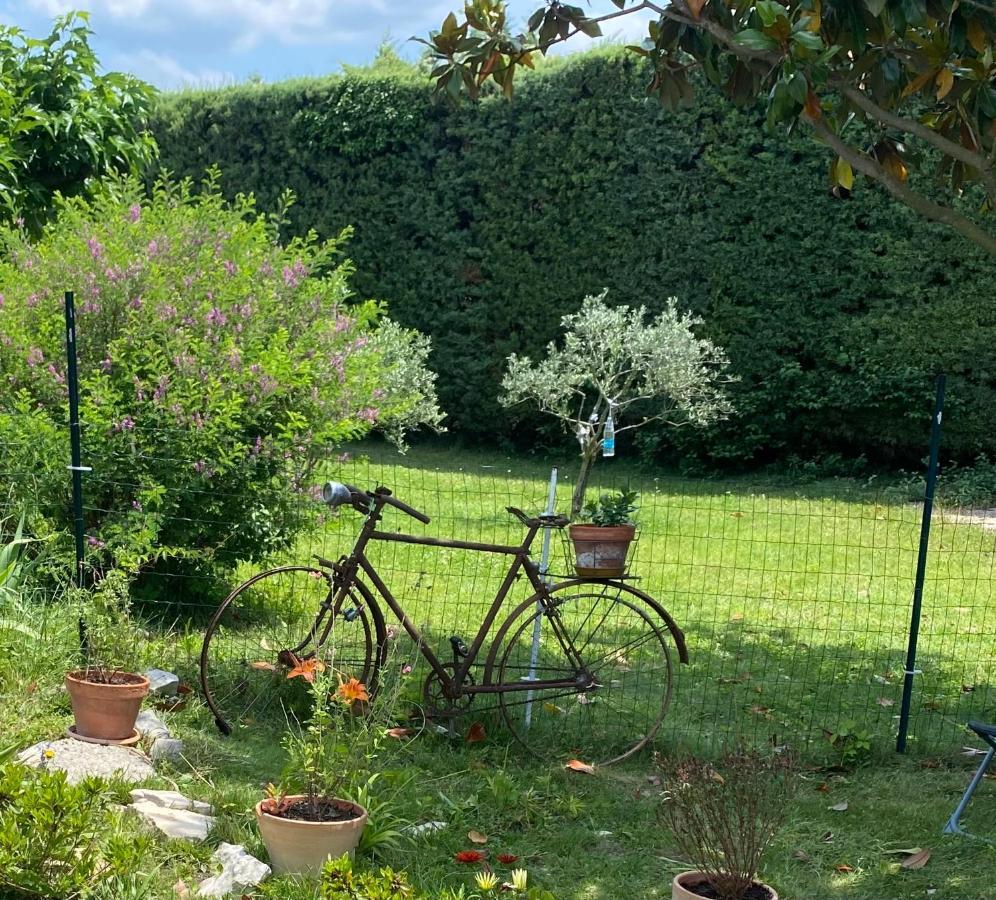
(76, 466)
(921, 566)
(551, 508)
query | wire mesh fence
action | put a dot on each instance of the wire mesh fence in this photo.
(794, 599)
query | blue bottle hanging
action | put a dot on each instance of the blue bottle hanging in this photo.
(609, 435)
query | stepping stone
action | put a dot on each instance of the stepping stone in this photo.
(184, 824)
(239, 871)
(163, 683)
(80, 760)
(168, 800)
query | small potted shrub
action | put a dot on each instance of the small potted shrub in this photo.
(601, 543)
(330, 760)
(722, 818)
(106, 698)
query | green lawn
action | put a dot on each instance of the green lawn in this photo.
(794, 601)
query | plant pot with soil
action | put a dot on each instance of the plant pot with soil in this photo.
(602, 541)
(105, 702)
(723, 816)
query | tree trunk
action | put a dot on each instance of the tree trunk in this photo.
(588, 457)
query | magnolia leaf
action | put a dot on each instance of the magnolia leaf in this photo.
(695, 7)
(755, 40)
(917, 860)
(802, 856)
(476, 734)
(844, 868)
(398, 732)
(575, 765)
(976, 35)
(906, 851)
(839, 807)
(263, 666)
(875, 7)
(476, 837)
(944, 81)
(843, 174)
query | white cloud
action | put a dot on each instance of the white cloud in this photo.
(167, 72)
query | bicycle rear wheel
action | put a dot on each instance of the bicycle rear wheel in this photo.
(267, 625)
(623, 688)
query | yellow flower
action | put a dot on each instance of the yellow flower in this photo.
(49, 753)
(519, 879)
(486, 881)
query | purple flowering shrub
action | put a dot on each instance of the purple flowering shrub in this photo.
(217, 368)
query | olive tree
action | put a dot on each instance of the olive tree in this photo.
(614, 361)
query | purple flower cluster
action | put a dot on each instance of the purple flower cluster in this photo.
(293, 275)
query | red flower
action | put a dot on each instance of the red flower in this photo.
(508, 858)
(469, 856)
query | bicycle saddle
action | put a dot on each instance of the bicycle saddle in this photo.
(542, 521)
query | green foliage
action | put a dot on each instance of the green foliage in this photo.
(835, 316)
(340, 882)
(49, 832)
(616, 508)
(216, 367)
(972, 486)
(66, 125)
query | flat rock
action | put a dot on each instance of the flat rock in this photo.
(239, 870)
(168, 748)
(151, 726)
(79, 760)
(175, 823)
(161, 682)
(168, 800)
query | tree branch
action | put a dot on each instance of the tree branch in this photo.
(975, 160)
(945, 215)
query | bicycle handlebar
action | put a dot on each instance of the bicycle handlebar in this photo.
(391, 500)
(335, 494)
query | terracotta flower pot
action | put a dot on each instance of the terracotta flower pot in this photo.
(600, 550)
(299, 847)
(106, 711)
(682, 888)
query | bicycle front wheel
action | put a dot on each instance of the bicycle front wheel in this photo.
(622, 686)
(264, 628)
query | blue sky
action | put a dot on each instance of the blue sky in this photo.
(198, 42)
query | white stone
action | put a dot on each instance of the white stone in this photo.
(168, 800)
(175, 823)
(162, 682)
(424, 828)
(168, 748)
(150, 725)
(80, 759)
(239, 871)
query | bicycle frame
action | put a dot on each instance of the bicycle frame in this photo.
(453, 684)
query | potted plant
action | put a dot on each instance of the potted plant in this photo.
(312, 819)
(601, 543)
(722, 818)
(106, 698)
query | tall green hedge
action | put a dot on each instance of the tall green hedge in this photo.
(483, 224)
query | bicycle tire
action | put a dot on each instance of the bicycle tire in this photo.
(244, 662)
(631, 678)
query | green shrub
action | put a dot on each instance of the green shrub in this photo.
(835, 315)
(49, 832)
(340, 882)
(217, 368)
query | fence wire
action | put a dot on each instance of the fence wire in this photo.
(794, 599)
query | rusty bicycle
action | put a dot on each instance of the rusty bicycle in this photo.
(581, 668)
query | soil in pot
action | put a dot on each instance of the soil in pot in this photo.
(697, 886)
(303, 810)
(106, 702)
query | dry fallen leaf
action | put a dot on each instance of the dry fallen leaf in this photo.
(576, 765)
(839, 807)
(399, 732)
(181, 890)
(823, 788)
(844, 867)
(476, 734)
(477, 838)
(917, 860)
(885, 701)
(655, 780)
(263, 666)
(802, 856)
(827, 838)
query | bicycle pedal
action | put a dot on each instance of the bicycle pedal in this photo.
(459, 647)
